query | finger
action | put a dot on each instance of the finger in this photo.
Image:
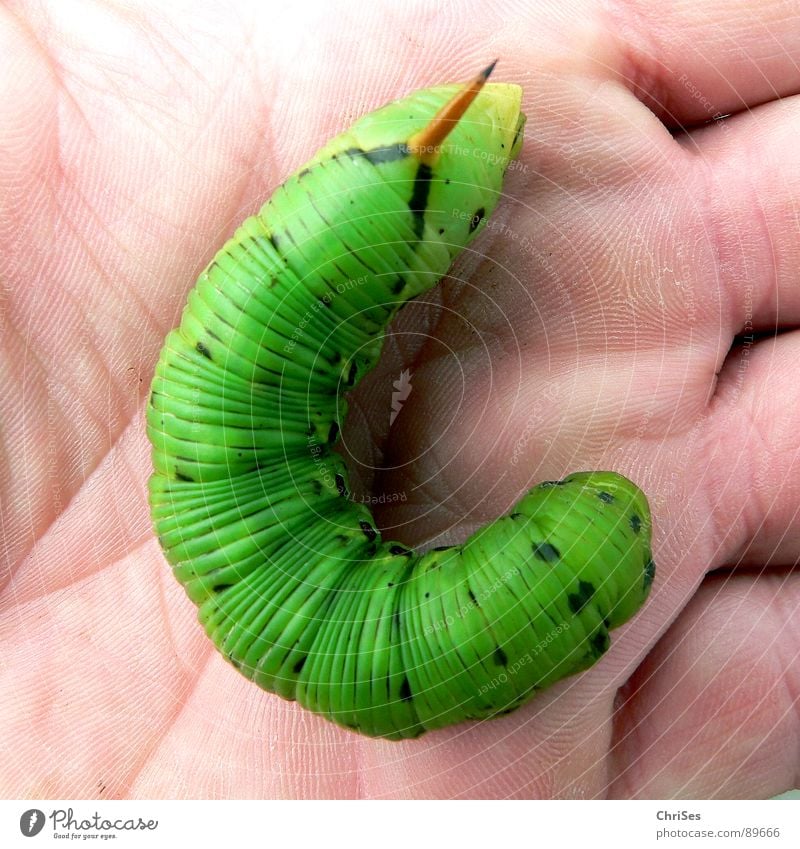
(747, 186)
(753, 455)
(696, 59)
(712, 712)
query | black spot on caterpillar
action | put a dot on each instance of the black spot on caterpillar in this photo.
(546, 551)
(500, 657)
(418, 203)
(294, 584)
(369, 532)
(476, 219)
(649, 574)
(405, 690)
(579, 599)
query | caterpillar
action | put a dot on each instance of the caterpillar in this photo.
(293, 582)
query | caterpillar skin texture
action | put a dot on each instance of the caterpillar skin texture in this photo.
(293, 582)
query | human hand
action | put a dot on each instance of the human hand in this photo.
(589, 328)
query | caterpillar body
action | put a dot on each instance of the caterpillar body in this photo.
(294, 583)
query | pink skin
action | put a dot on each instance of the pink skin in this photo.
(593, 332)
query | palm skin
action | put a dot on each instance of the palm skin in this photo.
(590, 327)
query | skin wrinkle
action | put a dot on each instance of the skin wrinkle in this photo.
(180, 705)
(45, 370)
(171, 721)
(753, 712)
(87, 251)
(606, 766)
(88, 473)
(720, 519)
(698, 665)
(639, 60)
(29, 567)
(633, 730)
(725, 239)
(42, 368)
(56, 71)
(757, 216)
(620, 764)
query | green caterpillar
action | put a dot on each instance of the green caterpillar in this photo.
(293, 582)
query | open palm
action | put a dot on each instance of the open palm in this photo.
(590, 327)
